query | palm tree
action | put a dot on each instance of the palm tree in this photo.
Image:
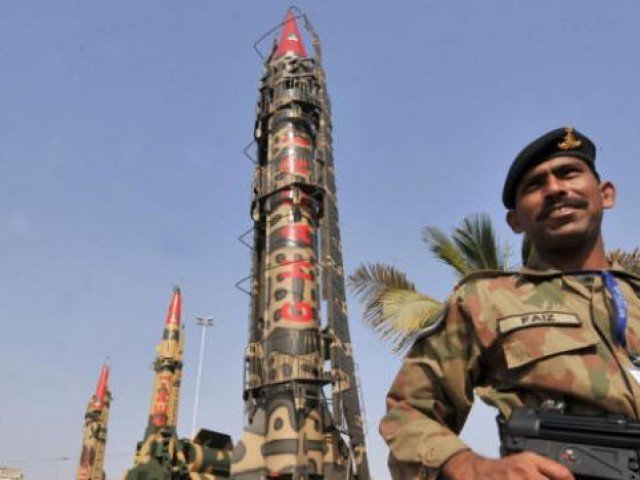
(393, 307)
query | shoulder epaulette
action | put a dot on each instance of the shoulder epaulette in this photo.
(484, 274)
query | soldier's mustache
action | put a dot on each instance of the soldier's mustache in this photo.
(548, 207)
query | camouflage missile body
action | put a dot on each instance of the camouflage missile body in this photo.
(293, 431)
(161, 455)
(168, 369)
(94, 433)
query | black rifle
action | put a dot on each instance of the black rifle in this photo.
(593, 448)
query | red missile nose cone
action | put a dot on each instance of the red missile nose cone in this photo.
(175, 309)
(103, 386)
(290, 40)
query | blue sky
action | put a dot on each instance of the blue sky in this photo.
(121, 174)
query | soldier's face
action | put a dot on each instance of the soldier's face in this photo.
(559, 204)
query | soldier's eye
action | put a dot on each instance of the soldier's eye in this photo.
(532, 184)
(568, 172)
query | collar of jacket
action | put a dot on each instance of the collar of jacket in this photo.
(539, 268)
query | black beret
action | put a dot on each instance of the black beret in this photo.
(561, 142)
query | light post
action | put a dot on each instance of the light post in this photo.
(203, 322)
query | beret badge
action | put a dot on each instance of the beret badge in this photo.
(569, 142)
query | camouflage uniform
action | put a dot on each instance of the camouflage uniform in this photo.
(523, 339)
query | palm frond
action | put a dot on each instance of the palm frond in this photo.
(477, 241)
(445, 250)
(369, 279)
(629, 260)
(405, 314)
(392, 306)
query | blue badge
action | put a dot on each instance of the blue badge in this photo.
(620, 305)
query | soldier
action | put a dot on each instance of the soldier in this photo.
(563, 332)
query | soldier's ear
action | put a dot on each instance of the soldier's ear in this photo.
(514, 221)
(608, 194)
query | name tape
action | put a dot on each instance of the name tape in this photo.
(536, 319)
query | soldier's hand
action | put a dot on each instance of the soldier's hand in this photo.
(468, 465)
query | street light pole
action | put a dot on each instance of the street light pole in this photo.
(203, 322)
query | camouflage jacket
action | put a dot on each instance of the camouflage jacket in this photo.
(517, 339)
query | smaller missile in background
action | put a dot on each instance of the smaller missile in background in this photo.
(168, 368)
(94, 432)
(161, 455)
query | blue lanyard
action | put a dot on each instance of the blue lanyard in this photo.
(620, 304)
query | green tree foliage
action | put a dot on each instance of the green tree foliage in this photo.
(471, 247)
(392, 306)
(394, 309)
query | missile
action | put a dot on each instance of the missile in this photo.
(94, 432)
(158, 455)
(161, 455)
(293, 430)
(168, 369)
